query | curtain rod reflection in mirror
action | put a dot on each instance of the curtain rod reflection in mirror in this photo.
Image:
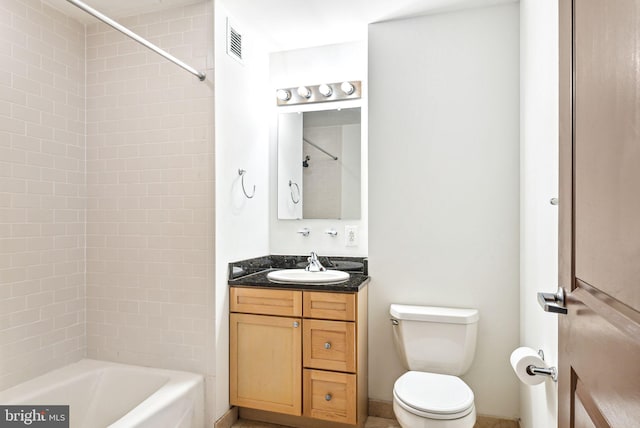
(320, 148)
(124, 30)
(339, 91)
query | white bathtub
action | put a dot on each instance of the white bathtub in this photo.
(102, 394)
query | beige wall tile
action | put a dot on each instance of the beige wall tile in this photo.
(106, 197)
(150, 196)
(42, 325)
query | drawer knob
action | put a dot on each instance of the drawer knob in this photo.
(327, 345)
(296, 324)
(328, 397)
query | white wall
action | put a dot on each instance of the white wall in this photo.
(289, 159)
(539, 183)
(242, 141)
(351, 170)
(333, 63)
(444, 186)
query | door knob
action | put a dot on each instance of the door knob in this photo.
(553, 302)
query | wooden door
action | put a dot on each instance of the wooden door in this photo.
(599, 338)
(265, 363)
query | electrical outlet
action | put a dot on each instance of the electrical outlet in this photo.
(351, 236)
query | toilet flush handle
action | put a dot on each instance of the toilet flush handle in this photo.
(393, 321)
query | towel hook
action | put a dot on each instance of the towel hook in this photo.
(291, 184)
(241, 173)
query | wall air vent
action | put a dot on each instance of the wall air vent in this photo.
(234, 42)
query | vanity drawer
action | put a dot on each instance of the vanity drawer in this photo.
(329, 345)
(330, 396)
(329, 306)
(266, 302)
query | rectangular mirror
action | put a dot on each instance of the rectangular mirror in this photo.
(319, 164)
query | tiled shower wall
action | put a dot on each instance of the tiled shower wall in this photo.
(130, 219)
(42, 190)
(150, 195)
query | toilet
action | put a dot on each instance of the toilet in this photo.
(436, 345)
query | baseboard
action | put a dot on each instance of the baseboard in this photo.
(491, 422)
(228, 419)
(384, 409)
(381, 409)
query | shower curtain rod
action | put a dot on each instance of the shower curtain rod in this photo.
(124, 30)
(320, 148)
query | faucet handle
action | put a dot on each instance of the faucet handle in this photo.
(314, 263)
(331, 232)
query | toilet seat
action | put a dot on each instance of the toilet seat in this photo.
(434, 396)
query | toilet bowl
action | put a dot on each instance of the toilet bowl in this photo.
(436, 345)
(430, 400)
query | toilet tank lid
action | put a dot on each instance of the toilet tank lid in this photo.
(434, 314)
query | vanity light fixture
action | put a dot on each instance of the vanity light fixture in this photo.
(283, 95)
(347, 88)
(325, 90)
(304, 92)
(322, 93)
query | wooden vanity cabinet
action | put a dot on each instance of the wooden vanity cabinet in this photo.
(265, 362)
(299, 353)
(265, 366)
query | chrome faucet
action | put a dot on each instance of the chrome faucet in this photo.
(314, 264)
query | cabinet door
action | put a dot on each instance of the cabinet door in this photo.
(265, 363)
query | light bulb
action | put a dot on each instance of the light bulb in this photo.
(325, 90)
(304, 92)
(347, 88)
(283, 95)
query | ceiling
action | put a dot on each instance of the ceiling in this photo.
(291, 24)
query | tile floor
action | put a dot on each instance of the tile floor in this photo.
(372, 422)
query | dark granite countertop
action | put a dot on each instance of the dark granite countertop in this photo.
(253, 272)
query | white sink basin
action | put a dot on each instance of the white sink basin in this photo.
(301, 276)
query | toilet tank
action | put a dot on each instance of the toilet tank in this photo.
(435, 339)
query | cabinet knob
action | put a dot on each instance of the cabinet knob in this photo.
(328, 397)
(327, 345)
(296, 324)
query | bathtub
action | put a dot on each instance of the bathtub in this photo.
(102, 394)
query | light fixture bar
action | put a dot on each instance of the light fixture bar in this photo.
(320, 93)
(124, 30)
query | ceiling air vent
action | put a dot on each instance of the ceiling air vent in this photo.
(234, 42)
